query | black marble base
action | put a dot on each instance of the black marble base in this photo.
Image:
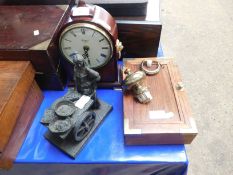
(72, 148)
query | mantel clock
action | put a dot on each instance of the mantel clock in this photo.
(92, 32)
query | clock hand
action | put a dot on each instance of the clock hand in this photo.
(85, 55)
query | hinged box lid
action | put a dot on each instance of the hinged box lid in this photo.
(167, 118)
(30, 33)
(15, 81)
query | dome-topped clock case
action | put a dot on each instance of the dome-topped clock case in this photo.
(92, 32)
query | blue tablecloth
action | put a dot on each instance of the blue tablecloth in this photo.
(105, 152)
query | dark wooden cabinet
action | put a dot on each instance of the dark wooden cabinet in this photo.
(141, 34)
(140, 38)
(167, 118)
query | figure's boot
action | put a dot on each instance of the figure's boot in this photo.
(96, 104)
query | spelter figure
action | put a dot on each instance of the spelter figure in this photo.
(85, 79)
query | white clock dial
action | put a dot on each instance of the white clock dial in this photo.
(89, 41)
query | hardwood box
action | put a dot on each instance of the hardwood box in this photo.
(29, 33)
(19, 102)
(140, 35)
(28, 111)
(167, 118)
(140, 38)
(15, 81)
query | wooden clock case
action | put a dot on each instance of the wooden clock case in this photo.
(96, 15)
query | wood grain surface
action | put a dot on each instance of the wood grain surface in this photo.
(140, 35)
(167, 118)
(15, 81)
(140, 38)
(26, 116)
(28, 33)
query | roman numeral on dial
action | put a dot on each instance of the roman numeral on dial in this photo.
(67, 48)
(83, 30)
(72, 32)
(67, 40)
(103, 55)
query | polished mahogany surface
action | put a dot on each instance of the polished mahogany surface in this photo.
(30, 33)
(23, 27)
(140, 38)
(27, 113)
(15, 81)
(140, 35)
(167, 118)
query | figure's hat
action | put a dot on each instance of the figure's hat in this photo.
(77, 58)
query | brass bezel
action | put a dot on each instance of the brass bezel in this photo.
(90, 26)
